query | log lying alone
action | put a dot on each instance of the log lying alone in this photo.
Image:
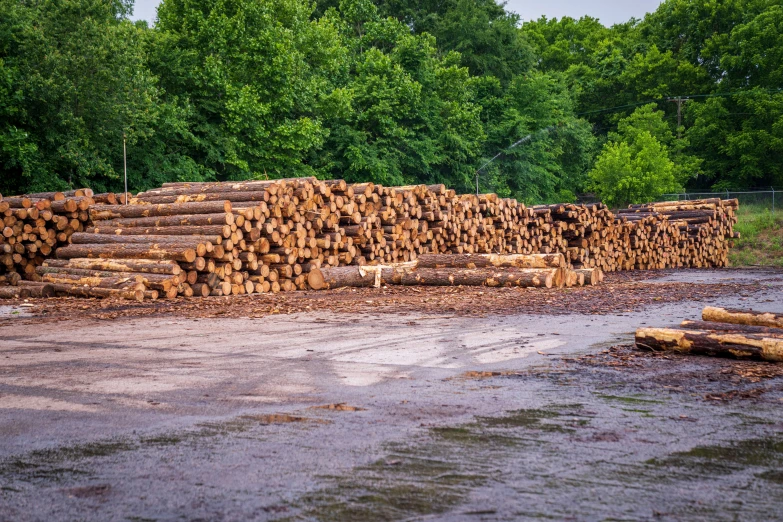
(491, 260)
(757, 346)
(367, 276)
(748, 317)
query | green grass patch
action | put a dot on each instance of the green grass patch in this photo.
(761, 237)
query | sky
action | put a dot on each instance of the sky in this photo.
(608, 11)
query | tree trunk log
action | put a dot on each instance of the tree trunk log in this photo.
(145, 266)
(99, 212)
(749, 317)
(86, 291)
(127, 252)
(732, 328)
(757, 346)
(170, 221)
(490, 260)
(206, 230)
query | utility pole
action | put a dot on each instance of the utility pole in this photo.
(125, 163)
(679, 101)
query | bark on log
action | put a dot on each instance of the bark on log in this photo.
(732, 328)
(83, 238)
(749, 317)
(102, 212)
(743, 346)
(170, 221)
(206, 230)
(126, 252)
(145, 266)
(466, 277)
(491, 260)
(86, 291)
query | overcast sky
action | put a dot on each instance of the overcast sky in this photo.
(608, 11)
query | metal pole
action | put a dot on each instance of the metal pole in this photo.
(125, 162)
(773, 200)
(477, 189)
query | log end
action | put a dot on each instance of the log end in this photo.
(315, 279)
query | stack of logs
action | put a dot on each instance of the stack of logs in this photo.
(743, 334)
(282, 235)
(34, 225)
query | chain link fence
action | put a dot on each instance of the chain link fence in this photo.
(771, 198)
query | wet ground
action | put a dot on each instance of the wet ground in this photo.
(447, 405)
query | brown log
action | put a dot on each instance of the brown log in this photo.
(468, 277)
(755, 346)
(86, 291)
(206, 230)
(749, 317)
(103, 212)
(144, 266)
(10, 292)
(732, 328)
(491, 260)
(170, 221)
(79, 238)
(126, 251)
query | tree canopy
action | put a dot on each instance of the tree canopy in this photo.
(391, 91)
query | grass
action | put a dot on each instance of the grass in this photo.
(761, 237)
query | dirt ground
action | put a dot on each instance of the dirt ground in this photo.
(389, 404)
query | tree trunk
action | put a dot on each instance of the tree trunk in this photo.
(101, 212)
(127, 252)
(145, 266)
(749, 317)
(490, 260)
(756, 346)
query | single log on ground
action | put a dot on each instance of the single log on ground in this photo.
(749, 317)
(341, 276)
(99, 212)
(127, 252)
(466, 277)
(491, 260)
(146, 266)
(757, 346)
(732, 328)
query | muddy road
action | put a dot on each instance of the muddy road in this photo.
(393, 405)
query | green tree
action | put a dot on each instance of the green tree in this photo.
(73, 79)
(405, 114)
(253, 77)
(634, 166)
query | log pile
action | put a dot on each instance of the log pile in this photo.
(260, 236)
(743, 334)
(35, 225)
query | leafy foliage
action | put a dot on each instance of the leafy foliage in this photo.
(392, 91)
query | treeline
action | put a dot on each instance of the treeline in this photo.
(395, 92)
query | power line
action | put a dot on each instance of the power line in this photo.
(674, 99)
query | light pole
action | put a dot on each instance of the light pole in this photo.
(125, 163)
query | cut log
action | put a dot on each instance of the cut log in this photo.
(732, 328)
(491, 260)
(127, 252)
(86, 291)
(101, 212)
(467, 277)
(756, 346)
(145, 266)
(749, 317)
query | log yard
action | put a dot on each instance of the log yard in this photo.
(301, 349)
